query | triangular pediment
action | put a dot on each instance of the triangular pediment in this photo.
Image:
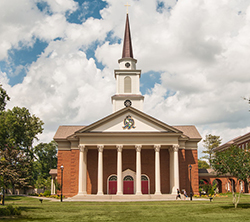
(128, 120)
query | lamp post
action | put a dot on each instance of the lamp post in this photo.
(62, 183)
(191, 194)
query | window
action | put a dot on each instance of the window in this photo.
(128, 178)
(113, 178)
(127, 84)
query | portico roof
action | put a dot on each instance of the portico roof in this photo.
(65, 132)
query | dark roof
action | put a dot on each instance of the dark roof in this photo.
(65, 131)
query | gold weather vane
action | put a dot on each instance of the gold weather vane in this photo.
(127, 7)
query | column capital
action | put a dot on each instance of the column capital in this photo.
(138, 147)
(157, 147)
(175, 148)
(119, 147)
(100, 148)
(82, 148)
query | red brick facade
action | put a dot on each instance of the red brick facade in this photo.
(70, 161)
(225, 184)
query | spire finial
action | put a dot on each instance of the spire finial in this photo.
(127, 7)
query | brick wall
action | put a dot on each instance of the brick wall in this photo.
(223, 181)
(191, 158)
(70, 161)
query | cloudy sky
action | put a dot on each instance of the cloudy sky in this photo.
(57, 59)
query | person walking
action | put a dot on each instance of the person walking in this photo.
(178, 194)
(185, 194)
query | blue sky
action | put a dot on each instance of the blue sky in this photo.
(57, 56)
(19, 59)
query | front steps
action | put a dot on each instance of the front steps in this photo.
(121, 198)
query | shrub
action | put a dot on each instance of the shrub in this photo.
(47, 193)
(10, 210)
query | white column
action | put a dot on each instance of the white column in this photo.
(157, 170)
(138, 169)
(100, 170)
(52, 185)
(174, 169)
(119, 170)
(82, 170)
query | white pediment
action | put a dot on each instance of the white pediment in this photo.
(139, 124)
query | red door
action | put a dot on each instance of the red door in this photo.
(112, 187)
(128, 187)
(144, 187)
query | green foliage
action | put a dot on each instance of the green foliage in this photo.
(46, 160)
(18, 130)
(235, 162)
(47, 193)
(202, 164)
(3, 98)
(10, 210)
(15, 167)
(208, 188)
(209, 144)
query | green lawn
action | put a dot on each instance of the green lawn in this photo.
(221, 209)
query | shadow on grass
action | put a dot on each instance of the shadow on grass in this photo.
(12, 198)
(29, 208)
(242, 206)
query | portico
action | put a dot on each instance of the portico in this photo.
(138, 148)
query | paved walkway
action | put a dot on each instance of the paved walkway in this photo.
(120, 198)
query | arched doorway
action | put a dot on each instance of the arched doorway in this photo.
(246, 187)
(112, 184)
(218, 185)
(144, 184)
(233, 188)
(128, 185)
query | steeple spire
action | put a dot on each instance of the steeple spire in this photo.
(127, 51)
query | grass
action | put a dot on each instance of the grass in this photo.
(221, 209)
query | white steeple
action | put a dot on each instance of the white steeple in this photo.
(127, 77)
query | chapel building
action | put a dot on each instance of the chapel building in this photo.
(127, 152)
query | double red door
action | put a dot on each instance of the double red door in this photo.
(128, 187)
(144, 187)
(112, 187)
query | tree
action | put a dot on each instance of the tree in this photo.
(235, 162)
(202, 164)
(46, 159)
(14, 168)
(3, 98)
(18, 130)
(210, 143)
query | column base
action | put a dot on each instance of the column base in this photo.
(158, 193)
(138, 193)
(100, 193)
(174, 190)
(119, 193)
(82, 193)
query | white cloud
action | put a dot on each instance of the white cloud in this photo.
(200, 47)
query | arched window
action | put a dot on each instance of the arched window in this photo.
(128, 178)
(127, 84)
(113, 178)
